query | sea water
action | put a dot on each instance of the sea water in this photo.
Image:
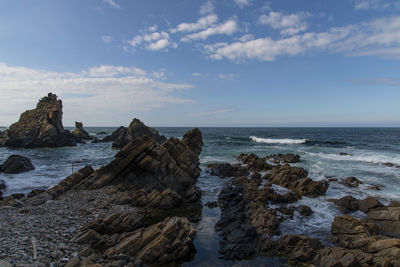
(367, 148)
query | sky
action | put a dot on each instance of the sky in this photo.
(203, 63)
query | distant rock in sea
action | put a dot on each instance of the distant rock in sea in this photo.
(41, 127)
(17, 164)
(122, 136)
(80, 133)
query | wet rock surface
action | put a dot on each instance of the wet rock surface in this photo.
(41, 127)
(17, 164)
(80, 133)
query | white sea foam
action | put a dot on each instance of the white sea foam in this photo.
(365, 157)
(277, 141)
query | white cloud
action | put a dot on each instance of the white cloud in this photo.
(154, 41)
(159, 75)
(287, 24)
(380, 37)
(207, 8)
(214, 112)
(370, 4)
(90, 95)
(229, 76)
(106, 39)
(112, 4)
(242, 3)
(228, 27)
(246, 37)
(202, 23)
(153, 28)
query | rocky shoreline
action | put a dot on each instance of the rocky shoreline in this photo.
(140, 208)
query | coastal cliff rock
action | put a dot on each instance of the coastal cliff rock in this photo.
(80, 133)
(17, 164)
(41, 127)
(122, 136)
(3, 138)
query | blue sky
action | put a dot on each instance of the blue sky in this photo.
(204, 63)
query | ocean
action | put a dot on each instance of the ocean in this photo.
(367, 150)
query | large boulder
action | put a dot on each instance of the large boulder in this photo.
(17, 164)
(114, 135)
(137, 129)
(80, 133)
(41, 127)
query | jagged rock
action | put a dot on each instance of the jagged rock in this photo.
(299, 248)
(17, 164)
(35, 192)
(387, 218)
(351, 182)
(137, 129)
(254, 163)
(80, 133)
(227, 170)
(368, 204)
(346, 204)
(3, 138)
(304, 210)
(295, 179)
(118, 223)
(153, 168)
(284, 158)
(168, 241)
(114, 135)
(41, 127)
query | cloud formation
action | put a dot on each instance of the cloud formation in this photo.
(113, 4)
(287, 24)
(202, 23)
(228, 27)
(100, 91)
(242, 3)
(154, 41)
(106, 39)
(379, 37)
(207, 8)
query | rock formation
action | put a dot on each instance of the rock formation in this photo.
(80, 133)
(122, 136)
(136, 129)
(17, 164)
(41, 127)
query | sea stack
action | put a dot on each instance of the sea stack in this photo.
(41, 127)
(80, 133)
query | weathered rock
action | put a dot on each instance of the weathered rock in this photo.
(344, 154)
(346, 204)
(153, 168)
(167, 241)
(299, 248)
(137, 129)
(227, 170)
(17, 164)
(254, 163)
(304, 210)
(80, 133)
(114, 135)
(118, 223)
(3, 138)
(351, 182)
(212, 204)
(387, 218)
(41, 127)
(295, 179)
(369, 203)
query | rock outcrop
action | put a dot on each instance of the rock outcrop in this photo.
(41, 127)
(147, 173)
(124, 236)
(17, 164)
(122, 136)
(2, 187)
(80, 133)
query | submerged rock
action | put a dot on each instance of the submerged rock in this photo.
(80, 133)
(136, 129)
(41, 127)
(352, 182)
(17, 164)
(227, 170)
(284, 158)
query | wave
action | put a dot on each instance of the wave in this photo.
(368, 158)
(278, 141)
(325, 143)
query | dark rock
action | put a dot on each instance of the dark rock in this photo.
(375, 187)
(351, 182)
(227, 170)
(344, 154)
(299, 248)
(17, 196)
(137, 129)
(388, 164)
(41, 127)
(80, 133)
(254, 163)
(35, 192)
(114, 135)
(212, 204)
(369, 203)
(17, 164)
(346, 204)
(101, 133)
(3, 138)
(304, 210)
(2, 187)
